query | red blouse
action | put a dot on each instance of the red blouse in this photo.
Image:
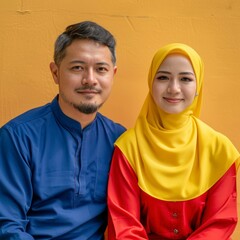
(134, 214)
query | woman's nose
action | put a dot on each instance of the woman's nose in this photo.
(173, 86)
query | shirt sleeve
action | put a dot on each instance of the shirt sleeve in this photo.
(220, 215)
(123, 201)
(15, 188)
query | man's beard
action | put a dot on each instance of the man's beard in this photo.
(87, 108)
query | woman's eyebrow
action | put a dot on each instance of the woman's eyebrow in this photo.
(187, 73)
(166, 72)
(181, 73)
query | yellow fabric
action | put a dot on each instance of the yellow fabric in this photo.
(176, 156)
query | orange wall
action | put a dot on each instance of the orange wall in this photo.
(212, 27)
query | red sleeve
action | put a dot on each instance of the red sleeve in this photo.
(123, 201)
(220, 215)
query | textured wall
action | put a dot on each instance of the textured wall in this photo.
(29, 28)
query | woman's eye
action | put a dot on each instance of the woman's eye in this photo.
(186, 79)
(162, 77)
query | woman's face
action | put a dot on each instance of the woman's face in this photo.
(174, 85)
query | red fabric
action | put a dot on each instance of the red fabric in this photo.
(133, 214)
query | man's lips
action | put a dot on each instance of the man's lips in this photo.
(88, 91)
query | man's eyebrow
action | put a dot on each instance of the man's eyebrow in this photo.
(82, 62)
(102, 63)
(77, 61)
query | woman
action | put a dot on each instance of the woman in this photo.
(172, 176)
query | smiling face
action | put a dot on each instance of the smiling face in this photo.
(85, 77)
(174, 85)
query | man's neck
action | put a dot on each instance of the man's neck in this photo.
(83, 118)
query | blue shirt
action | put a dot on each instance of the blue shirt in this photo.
(53, 175)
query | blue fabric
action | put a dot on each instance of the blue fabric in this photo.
(53, 175)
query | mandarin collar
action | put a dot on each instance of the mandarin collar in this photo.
(67, 122)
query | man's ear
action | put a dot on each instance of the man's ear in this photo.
(115, 70)
(54, 71)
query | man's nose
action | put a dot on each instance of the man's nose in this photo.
(89, 77)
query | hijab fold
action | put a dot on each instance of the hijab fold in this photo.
(176, 156)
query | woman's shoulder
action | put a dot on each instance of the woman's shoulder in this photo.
(205, 129)
(213, 137)
(128, 137)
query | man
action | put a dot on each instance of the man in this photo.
(55, 159)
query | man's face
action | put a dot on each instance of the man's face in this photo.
(85, 77)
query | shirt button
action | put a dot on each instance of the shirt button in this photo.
(175, 231)
(174, 215)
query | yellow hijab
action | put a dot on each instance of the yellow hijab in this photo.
(176, 156)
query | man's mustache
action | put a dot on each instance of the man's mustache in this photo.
(89, 88)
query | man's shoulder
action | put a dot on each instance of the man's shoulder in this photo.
(111, 124)
(31, 116)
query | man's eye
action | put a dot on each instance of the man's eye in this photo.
(102, 69)
(77, 68)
